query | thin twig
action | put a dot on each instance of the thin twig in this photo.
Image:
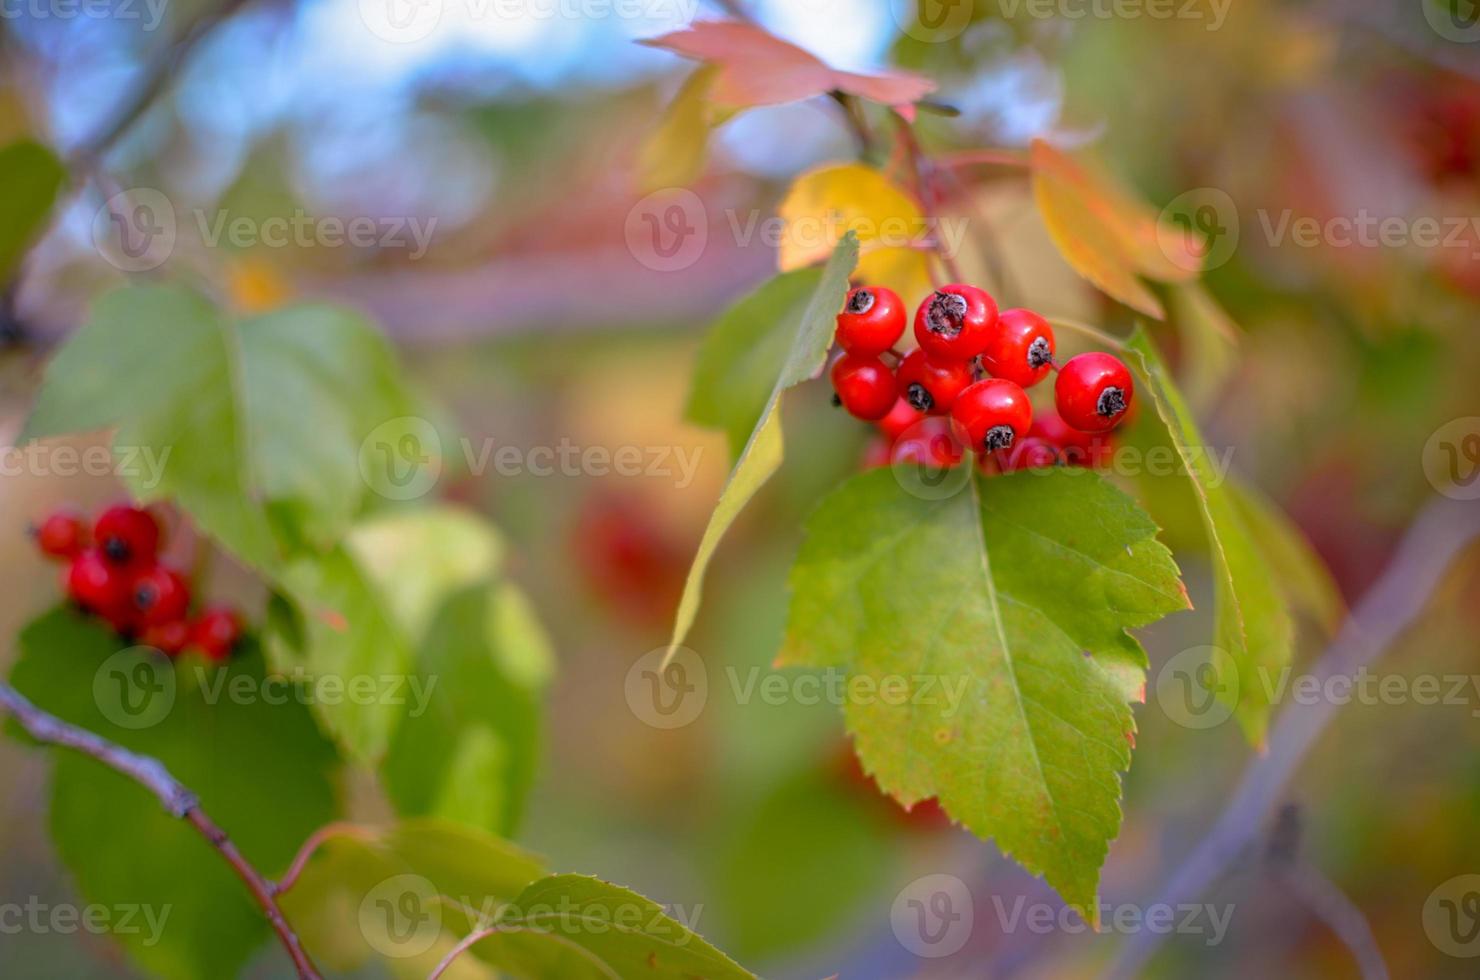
(1331, 905)
(1439, 533)
(922, 171)
(316, 840)
(176, 798)
(1094, 333)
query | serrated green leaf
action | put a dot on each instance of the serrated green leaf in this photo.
(31, 175)
(573, 926)
(1252, 623)
(763, 451)
(1002, 614)
(260, 768)
(744, 351)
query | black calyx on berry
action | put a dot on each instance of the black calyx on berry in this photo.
(1111, 403)
(998, 437)
(947, 314)
(860, 301)
(918, 397)
(1039, 353)
(117, 551)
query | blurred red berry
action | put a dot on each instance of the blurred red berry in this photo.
(932, 443)
(215, 632)
(96, 585)
(1076, 448)
(900, 418)
(61, 535)
(170, 637)
(127, 535)
(1030, 453)
(158, 595)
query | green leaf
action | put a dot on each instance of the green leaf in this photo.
(744, 351)
(471, 753)
(260, 768)
(998, 618)
(368, 891)
(1299, 570)
(573, 926)
(1210, 338)
(1252, 623)
(223, 407)
(761, 456)
(31, 175)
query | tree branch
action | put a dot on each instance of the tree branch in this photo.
(1440, 532)
(176, 798)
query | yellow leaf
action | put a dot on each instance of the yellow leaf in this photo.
(674, 154)
(826, 202)
(1107, 235)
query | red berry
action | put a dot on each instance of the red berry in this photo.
(1075, 448)
(1021, 349)
(872, 320)
(157, 595)
(900, 417)
(956, 322)
(1093, 391)
(876, 454)
(96, 585)
(215, 632)
(931, 385)
(61, 535)
(931, 443)
(170, 637)
(1030, 453)
(865, 386)
(127, 535)
(995, 413)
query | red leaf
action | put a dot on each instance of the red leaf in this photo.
(758, 68)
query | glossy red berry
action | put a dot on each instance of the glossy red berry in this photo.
(1093, 391)
(900, 418)
(865, 386)
(1021, 348)
(956, 322)
(872, 320)
(994, 412)
(97, 585)
(931, 444)
(61, 535)
(127, 535)
(169, 638)
(157, 595)
(1076, 448)
(931, 385)
(215, 632)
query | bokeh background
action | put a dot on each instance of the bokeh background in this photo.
(516, 130)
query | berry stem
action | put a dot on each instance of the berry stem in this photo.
(176, 798)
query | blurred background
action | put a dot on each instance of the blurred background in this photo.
(510, 135)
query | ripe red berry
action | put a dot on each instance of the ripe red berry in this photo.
(61, 535)
(865, 386)
(994, 412)
(1093, 391)
(127, 535)
(158, 594)
(215, 632)
(900, 417)
(169, 638)
(931, 444)
(931, 385)
(872, 320)
(956, 322)
(96, 585)
(1021, 348)
(1076, 448)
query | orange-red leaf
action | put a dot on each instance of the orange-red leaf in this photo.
(759, 68)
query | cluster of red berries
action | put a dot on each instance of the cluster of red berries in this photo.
(114, 572)
(972, 367)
